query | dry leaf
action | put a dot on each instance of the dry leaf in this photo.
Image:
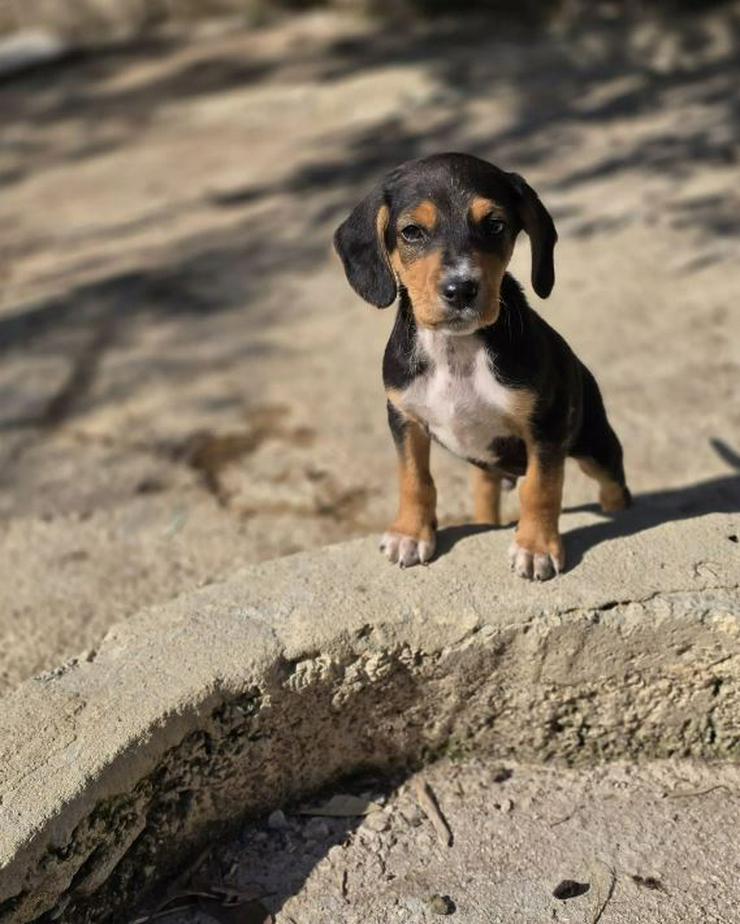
(603, 888)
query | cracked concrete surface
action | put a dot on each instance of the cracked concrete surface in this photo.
(236, 698)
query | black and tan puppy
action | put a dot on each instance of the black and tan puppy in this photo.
(469, 363)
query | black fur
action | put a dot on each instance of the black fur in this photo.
(540, 227)
(363, 252)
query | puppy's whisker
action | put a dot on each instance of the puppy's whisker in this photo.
(506, 314)
(509, 312)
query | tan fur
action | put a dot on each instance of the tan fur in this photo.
(418, 496)
(491, 265)
(421, 278)
(541, 496)
(521, 409)
(480, 207)
(381, 226)
(395, 397)
(486, 496)
(612, 495)
(425, 214)
(493, 269)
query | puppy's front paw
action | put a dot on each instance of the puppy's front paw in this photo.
(538, 560)
(407, 550)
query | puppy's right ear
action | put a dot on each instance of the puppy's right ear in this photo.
(360, 243)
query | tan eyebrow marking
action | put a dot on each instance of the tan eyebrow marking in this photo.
(425, 214)
(481, 207)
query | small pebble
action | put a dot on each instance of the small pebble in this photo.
(423, 841)
(377, 821)
(441, 904)
(569, 888)
(277, 821)
(412, 815)
(336, 854)
(502, 774)
(506, 805)
(316, 830)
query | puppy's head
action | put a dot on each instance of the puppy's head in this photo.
(443, 229)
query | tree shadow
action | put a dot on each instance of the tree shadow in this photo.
(596, 71)
(599, 71)
(181, 294)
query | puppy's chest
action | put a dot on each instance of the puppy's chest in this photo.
(459, 398)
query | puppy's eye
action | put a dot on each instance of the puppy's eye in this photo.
(412, 234)
(491, 226)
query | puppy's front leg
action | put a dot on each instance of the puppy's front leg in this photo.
(412, 536)
(537, 550)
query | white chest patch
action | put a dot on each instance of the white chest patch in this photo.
(458, 397)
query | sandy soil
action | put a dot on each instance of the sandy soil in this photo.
(618, 844)
(188, 384)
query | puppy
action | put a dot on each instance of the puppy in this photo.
(469, 363)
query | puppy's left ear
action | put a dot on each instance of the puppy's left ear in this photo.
(360, 243)
(540, 228)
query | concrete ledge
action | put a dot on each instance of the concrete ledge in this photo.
(234, 699)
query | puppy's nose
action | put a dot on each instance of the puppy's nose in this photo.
(459, 291)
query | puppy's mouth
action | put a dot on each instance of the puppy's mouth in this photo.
(461, 323)
(467, 317)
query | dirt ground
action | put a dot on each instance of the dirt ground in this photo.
(187, 382)
(507, 844)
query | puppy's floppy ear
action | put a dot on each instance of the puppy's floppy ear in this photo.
(540, 227)
(360, 243)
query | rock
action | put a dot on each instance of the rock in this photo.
(441, 904)
(377, 821)
(277, 821)
(336, 854)
(28, 49)
(411, 813)
(569, 888)
(316, 830)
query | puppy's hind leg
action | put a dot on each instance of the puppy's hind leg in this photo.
(599, 452)
(613, 496)
(486, 496)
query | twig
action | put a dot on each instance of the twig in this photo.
(344, 884)
(428, 804)
(688, 794)
(560, 821)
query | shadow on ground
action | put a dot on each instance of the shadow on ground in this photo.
(650, 509)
